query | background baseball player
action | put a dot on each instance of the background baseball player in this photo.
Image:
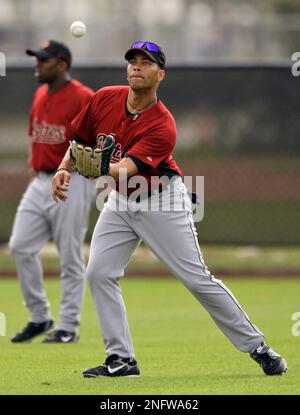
(145, 134)
(38, 218)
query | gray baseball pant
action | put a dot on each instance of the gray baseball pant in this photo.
(39, 219)
(172, 236)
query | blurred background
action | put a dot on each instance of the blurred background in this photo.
(189, 30)
(229, 85)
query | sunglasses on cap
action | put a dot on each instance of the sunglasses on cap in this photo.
(151, 49)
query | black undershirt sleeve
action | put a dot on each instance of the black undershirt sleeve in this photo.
(142, 167)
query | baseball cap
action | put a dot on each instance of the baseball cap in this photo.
(52, 49)
(152, 50)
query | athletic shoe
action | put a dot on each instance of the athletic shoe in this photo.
(32, 330)
(270, 362)
(114, 366)
(61, 336)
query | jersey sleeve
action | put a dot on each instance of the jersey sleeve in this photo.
(153, 147)
(82, 129)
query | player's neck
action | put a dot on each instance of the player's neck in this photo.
(139, 102)
(58, 83)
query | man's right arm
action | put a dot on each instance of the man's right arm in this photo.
(61, 179)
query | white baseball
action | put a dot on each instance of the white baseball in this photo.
(78, 28)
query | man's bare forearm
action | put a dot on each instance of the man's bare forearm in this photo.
(125, 163)
(66, 162)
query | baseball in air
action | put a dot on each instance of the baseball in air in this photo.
(78, 28)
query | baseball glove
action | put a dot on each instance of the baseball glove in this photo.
(92, 162)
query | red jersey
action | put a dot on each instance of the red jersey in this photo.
(147, 138)
(50, 121)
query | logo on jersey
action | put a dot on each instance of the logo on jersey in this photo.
(42, 132)
(117, 153)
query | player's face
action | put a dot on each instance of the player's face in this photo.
(142, 73)
(48, 70)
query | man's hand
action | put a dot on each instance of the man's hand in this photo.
(60, 185)
(92, 162)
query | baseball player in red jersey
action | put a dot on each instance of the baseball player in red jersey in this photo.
(145, 135)
(38, 218)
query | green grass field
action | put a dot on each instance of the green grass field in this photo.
(178, 347)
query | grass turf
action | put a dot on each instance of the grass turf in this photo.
(178, 347)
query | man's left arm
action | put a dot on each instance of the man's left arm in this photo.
(125, 163)
(153, 148)
(145, 155)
